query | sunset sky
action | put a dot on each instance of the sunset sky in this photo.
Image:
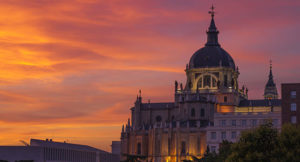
(70, 69)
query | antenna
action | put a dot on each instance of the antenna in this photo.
(24, 143)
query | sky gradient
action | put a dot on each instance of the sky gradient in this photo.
(70, 69)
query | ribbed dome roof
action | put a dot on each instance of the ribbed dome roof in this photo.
(211, 56)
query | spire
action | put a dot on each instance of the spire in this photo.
(270, 88)
(212, 33)
(270, 74)
(270, 81)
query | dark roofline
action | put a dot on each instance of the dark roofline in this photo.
(52, 143)
(290, 83)
(260, 102)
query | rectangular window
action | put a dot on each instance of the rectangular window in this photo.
(275, 122)
(293, 107)
(233, 135)
(213, 148)
(293, 119)
(183, 151)
(223, 135)
(223, 122)
(293, 94)
(244, 123)
(207, 81)
(139, 148)
(233, 122)
(213, 135)
(225, 80)
(225, 98)
(202, 112)
(254, 122)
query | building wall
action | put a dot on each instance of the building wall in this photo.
(232, 123)
(116, 147)
(13, 153)
(50, 151)
(288, 99)
(165, 144)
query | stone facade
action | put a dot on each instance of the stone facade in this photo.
(177, 130)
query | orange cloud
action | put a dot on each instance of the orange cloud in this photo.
(71, 70)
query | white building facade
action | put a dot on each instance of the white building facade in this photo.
(228, 126)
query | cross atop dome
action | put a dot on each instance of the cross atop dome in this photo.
(212, 12)
(212, 33)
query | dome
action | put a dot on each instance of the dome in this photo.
(211, 56)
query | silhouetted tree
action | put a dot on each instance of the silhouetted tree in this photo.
(224, 151)
(134, 158)
(208, 156)
(288, 148)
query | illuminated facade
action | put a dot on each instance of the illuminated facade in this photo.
(177, 130)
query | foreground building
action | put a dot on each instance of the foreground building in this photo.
(50, 151)
(174, 131)
(290, 103)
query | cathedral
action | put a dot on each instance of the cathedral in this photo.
(209, 101)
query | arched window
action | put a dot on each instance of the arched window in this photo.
(214, 82)
(225, 80)
(200, 82)
(139, 148)
(206, 81)
(193, 112)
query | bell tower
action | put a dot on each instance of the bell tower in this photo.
(270, 88)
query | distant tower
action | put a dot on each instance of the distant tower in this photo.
(270, 89)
